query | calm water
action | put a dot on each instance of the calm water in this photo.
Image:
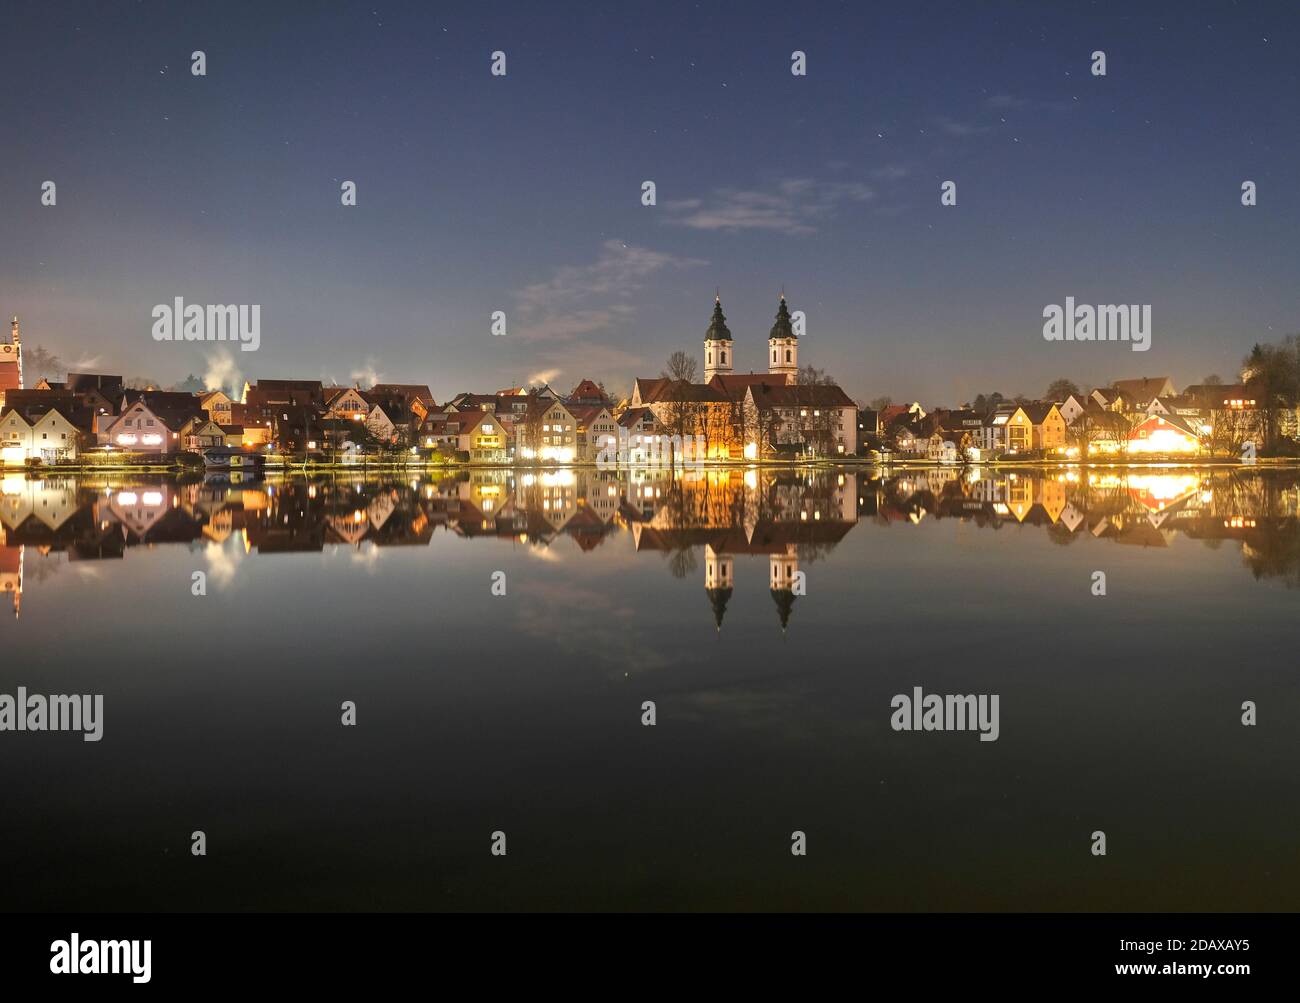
(522, 712)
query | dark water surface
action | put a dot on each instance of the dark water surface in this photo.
(522, 712)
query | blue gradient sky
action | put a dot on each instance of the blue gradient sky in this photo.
(522, 193)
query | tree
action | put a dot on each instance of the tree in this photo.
(681, 366)
(1060, 389)
(1213, 380)
(811, 376)
(880, 403)
(1272, 377)
(191, 384)
(40, 363)
(985, 403)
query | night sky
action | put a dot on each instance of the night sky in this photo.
(478, 193)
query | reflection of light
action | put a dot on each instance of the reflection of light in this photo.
(751, 479)
(558, 479)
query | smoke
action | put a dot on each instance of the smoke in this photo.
(368, 375)
(545, 376)
(222, 373)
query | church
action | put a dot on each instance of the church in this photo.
(754, 415)
(11, 362)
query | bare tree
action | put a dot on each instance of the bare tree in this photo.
(880, 403)
(681, 366)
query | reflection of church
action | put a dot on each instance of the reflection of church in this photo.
(761, 516)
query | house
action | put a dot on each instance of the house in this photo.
(587, 392)
(643, 435)
(546, 431)
(596, 429)
(345, 402)
(1164, 435)
(819, 418)
(217, 405)
(39, 433)
(480, 435)
(434, 433)
(277, 393)
(1047, 426)
(151, 423)
(413, 393)
(1073, 407)
(389, 422)
(200, 433)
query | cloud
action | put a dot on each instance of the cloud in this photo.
(795, 205)
(87, 363)
(960, 129)
(592, 298)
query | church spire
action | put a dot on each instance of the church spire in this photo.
(717, 343)
(783, 345)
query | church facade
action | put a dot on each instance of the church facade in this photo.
(753, 415)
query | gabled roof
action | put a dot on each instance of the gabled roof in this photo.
(633, 415)
(1142, 390)
(734, 385)
(587, 391)
(411, 391)
(811, 395)
(1037, 411)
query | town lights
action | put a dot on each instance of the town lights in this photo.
(751, 450)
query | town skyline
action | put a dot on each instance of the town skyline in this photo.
(522, 193)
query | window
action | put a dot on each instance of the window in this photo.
(787, 355)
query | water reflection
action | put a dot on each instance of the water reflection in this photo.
(793, 517)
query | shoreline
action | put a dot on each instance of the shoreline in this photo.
(1272, 463)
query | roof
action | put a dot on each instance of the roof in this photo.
(586, 413)
(81, 382)
(734, 385)
(718, 330)
(685, 392)
(1178, 421)
(814, 395)
(1142, 390)
(1037, 411)
(413, 391)
(783, 327)
(586, 390)
(633, 415)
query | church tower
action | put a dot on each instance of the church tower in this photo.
(781, 579)
(719, 571)
(11, 362)
(783, 346)
(717, 344)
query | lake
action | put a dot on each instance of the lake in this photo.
(500, 633)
